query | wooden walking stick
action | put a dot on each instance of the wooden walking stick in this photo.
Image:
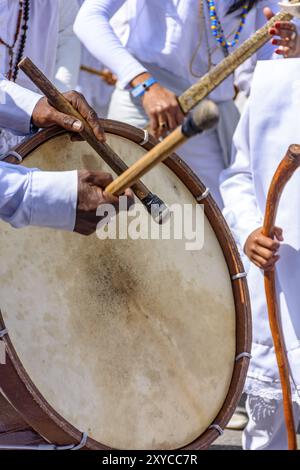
(154, 205)
(284, 172)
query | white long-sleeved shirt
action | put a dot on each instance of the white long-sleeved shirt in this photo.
(30, 196)
(165, 34)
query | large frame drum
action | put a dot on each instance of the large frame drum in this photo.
(135, 344)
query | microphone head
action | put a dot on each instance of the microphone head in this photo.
(205, 116)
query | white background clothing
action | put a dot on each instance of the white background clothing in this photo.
(269, 125)
(30, 196)
(96, 91)
(161, 38)
(50, 44)
(266, 428)
(165, 34)
(16, 106)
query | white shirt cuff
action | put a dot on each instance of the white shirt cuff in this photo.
(19, 105)
(54, 199)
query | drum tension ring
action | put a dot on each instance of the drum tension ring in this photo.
(3, 333)
(49, 446)
(12, 153)
(146, 138)
(203, 195)
(218, 428)
(235, 277)
(242, 355)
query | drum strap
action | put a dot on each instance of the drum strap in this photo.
(49, 446)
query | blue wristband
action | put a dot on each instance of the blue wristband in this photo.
(141, 89)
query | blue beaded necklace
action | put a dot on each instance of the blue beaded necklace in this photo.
(217, 29)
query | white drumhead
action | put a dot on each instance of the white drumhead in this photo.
(130, 341)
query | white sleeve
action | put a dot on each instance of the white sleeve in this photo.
(34, 197)
(93, 29)
(16, 106)
(69, 49)
(237, 187)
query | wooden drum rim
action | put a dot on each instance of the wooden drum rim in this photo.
(17, 386)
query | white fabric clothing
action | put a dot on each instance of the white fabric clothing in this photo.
(30, 196)
(161, 38)
(33, 197)
(165, 34)
(266, 428)
(16, 106)
(202, 153)
(50, 44)
(96, 91)
(50, 41)
(267, 128)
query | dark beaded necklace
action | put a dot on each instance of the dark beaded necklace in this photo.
(22, 24)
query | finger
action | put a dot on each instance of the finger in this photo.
(266, 242)
(67, 122)
(264, 252)
(284, 51)
(179, 116)
(278, 233)
(262, 263)
(171, 119)
(287, 25)
(283, 32)
(100, 179)
(163, 124)
(154, 123)
(130, 198)
(268, 13)
(87, 112)
(288, 43)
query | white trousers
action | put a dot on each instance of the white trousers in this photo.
(266, 426)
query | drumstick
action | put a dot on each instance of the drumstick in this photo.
(106, 75)
(285, 171)
(205, 116)
(154, 205)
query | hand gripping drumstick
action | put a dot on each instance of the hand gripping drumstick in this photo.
(224, 69)
(285, 171)
(205, 116)
(154, 205)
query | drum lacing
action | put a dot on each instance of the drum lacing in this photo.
(146, 138)
(242, 355)
(3, 333)
(217, 428)
(49, 446)
(11, 153)
(238, 276)
(203, 195)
